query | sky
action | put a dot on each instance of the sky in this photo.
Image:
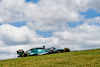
(25, 24)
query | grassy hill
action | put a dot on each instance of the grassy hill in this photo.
(88, 58)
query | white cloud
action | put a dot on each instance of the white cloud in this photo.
(94, 20)
(7, 56)
(11, 35)
(47, 15)
(50, 13)
(82, 37)
(94, 4)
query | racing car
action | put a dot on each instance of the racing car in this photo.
(40, 51)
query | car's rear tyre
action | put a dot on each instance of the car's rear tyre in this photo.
(25, 55)
(66, 50)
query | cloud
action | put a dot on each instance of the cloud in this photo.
(95, 20)
(56, 13)
(45, 15)
(52, 13)
(10, 35)
(7, 56)
(82, 37)
(94, 4)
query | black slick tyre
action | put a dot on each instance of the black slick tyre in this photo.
(25, 55)
(66, 50)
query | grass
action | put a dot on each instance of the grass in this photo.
(88, 58)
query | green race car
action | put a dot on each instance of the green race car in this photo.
(40, 51)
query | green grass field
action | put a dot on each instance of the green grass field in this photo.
(87, 58)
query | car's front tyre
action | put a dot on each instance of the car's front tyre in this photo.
(25, 55)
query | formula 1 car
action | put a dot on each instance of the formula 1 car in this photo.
(54, 50)
(40, 51)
